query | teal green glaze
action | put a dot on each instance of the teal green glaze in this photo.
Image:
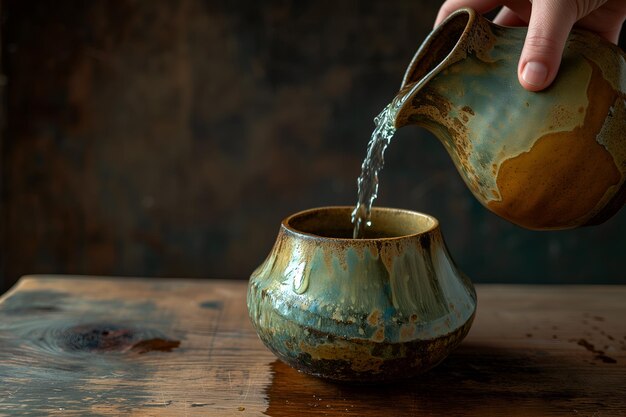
(368, 309)
(530, 157)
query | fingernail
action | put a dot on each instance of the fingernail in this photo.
(535, 73)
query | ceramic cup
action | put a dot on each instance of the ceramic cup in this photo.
(385, 307)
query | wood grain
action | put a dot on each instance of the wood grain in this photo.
(112, 346)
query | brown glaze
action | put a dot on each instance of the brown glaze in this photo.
(612, 207)
(540, 188)
(373, 361)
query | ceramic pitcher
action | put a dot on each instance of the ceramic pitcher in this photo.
(554, 159)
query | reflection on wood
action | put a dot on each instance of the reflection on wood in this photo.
(76, 346)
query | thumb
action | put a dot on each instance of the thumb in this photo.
(550, 24)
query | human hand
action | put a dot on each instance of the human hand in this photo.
(549, 24)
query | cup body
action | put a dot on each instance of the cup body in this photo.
(386, 307)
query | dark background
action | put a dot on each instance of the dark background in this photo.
(169, 138)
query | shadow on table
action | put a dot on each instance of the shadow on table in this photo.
(473, 380)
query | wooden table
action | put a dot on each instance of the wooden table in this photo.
(111, 346)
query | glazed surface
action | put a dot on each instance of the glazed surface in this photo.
(364, 309)
(549, 160)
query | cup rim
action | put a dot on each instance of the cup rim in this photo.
(285, 224)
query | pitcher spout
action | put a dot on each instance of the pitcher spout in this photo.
(417, 102)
